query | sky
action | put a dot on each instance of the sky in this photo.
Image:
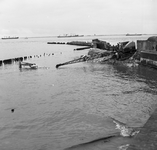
(88, 17)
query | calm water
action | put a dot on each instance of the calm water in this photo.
(58, 108)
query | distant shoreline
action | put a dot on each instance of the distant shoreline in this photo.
(55, 36)
(8, 38)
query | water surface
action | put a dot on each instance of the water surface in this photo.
(60, 108)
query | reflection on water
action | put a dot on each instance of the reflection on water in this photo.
(64, 108)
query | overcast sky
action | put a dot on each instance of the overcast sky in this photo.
(57, 17)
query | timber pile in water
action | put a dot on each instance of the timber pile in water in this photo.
(103, 51)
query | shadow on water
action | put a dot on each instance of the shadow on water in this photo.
(139, 74)
(93, 145)
(111, 142)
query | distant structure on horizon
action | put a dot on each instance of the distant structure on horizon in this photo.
(67, 35)
(7, 38)
(133, 34)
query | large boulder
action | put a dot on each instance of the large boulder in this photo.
(93, 52)
(152, 39)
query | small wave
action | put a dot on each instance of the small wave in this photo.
(125, 131)
(123, 147)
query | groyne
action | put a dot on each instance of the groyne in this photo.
(18, 59)
(12, 60)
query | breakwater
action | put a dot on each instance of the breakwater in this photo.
(80, 43)
(85, 44)
(77, 43)
(56, 43)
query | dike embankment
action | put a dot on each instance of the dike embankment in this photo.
(147, 137)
